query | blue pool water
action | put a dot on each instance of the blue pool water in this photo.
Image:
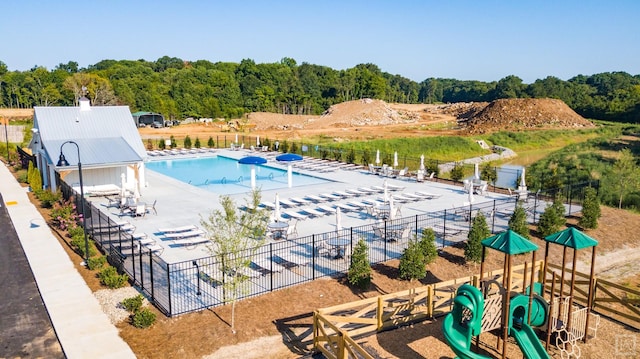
(224, 175)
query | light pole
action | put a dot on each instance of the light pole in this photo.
(62, 162)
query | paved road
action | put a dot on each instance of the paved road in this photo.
(25, 326)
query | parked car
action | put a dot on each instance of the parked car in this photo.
(157, 124)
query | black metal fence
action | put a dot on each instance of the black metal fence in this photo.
(177, 288)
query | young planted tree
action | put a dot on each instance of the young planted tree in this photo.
(489, 173)
(552, 219)
(518, 221)
(625, 175)
(187, 142)
(457, 172)
(235, 238)
(590, 210)
(428, 245)
(210, 143)
(412, 262)
(359, 274)
(197, 143)
(479, 231)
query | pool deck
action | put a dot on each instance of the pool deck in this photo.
(180, 204)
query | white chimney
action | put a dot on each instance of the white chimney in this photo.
(85, 104)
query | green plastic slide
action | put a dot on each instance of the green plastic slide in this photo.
(529, 343)
(458, 341)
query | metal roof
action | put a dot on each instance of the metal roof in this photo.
(573, 238)
(509, 242)
(105, 134)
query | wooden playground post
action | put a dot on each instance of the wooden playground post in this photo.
(573, 283)
(550, 315)
(590, 295)
(505, 318)
(533, 268)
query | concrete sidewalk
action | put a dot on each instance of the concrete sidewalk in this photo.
(83, 329)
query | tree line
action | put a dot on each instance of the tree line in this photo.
(179, 88)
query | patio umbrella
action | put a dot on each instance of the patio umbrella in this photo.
(378, 157)
(289, 157)
(522, 182)
(123, 189)
(136, 190)
(338, 219)
(386, 192)
(257, 141)
(471, 198)
(421, 162)
(236, 138)
(252, 160)
(276, 211)
(476, 172)
(392, 211)
(395, 159)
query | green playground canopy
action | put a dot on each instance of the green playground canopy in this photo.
(510, 242)
(572, 238)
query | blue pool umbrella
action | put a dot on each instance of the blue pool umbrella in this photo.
(252, 160)
(289, 157)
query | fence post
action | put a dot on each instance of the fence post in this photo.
(385, 240)
(168, 287)
(444, 229)
(313, 260)
(271, 266)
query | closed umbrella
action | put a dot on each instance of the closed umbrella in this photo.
(522, 182)
(276, 211)
(123, 189)
(257, 141)
(395, 159)
(386, 191)
(476, 172)
(392, 210)
(471, 198)
(136, 190)
(236, 138)
(422, 162)
(338, 219)
(378, 157)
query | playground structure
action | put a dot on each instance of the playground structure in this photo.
(334, 327)
(519, 312)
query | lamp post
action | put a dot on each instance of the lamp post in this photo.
(62, 162)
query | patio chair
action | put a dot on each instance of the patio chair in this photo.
(152, 207)
(292, 230)
(323, 248)
(420, 176)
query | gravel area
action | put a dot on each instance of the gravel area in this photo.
(110, 301)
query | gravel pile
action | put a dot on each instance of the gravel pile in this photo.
(110, 300)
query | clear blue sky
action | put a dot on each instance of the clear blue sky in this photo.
(465, 40)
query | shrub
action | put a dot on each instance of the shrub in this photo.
(457, 172)
(74, 231)
(360, 270)
(324, 154)
(133, 304)
(48, 198)
(365, 158)
(173, 141)
(412, 263)
(187, 142)
(284, 147)
(552, 219)
(479, 231)
(78, 244)
(337, 155)
(294, 147)
(110, 278)
(210, 143)
(427, 245)
(63, 214)
(432, 167)
(518, 221)
(197, 144)
(590, 210)
(161, 144)
(96, 262)
(489, 173)
(143, 318)
(35, 180)
(22, 176)
(149, 144)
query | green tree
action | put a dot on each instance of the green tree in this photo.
(412, 262)
(552, 219)
(427, 245)
(197, 144)
(187, 142)
(479, 231)
(518, 221)
(590, 209)
(624, 177)
(457, 172)
(359, 274)
(235, 237)
(489, 173)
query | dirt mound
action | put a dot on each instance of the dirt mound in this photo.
(519, 114)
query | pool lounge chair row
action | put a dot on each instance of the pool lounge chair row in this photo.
(187, 236)
(182, 151)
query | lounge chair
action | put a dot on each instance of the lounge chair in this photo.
(186, 228)
(327, 209)
(329, 196)
(185, 234)
(428, 195)
(393, 187)
(356, 192)
(359, 204)
(293, 214)
(315, 198)
(312, 212)
(287, 203)
(414, 197)
(191, 241)
(368, 190)
(343, 194)
(294, 259)
(346, 207)
(300, 200)
(267, 265)
(269, 205)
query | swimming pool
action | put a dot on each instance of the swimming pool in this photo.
(225, 175)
